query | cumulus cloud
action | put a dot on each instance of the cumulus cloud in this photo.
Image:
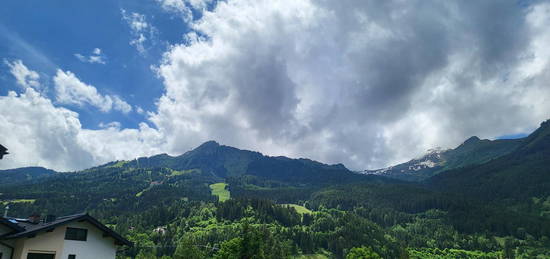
(113, 124)
(173, 5)
(70, 90)
(140, 110)
(184, 8)
(366, 83)
(24, 77)
(45, 135)
(96, 57)
(142, 31)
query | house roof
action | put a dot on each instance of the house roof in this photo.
(27, 228)
(12, 224)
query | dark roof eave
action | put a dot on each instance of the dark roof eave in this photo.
(11, 225)
(77, 217)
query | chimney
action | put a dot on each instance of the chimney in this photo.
(34, 218)
(6, 211)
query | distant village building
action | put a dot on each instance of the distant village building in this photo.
(160, 230)
(77, 236)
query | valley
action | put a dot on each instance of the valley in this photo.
(483, 199)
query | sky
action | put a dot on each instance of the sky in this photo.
(363, 83)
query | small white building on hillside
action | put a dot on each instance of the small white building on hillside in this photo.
(72, 237)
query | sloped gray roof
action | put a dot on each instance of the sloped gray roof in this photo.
(27, 228)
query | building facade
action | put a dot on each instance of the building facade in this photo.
(72, 237)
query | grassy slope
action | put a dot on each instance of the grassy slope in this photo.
(313, 256)
(218, 189)
(17, 201)
(299, 209)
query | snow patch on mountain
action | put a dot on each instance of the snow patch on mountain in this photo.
(432, 158)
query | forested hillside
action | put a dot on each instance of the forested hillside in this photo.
(23, 174)
(522, 174)
(221, 202)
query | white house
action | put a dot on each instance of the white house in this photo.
(72, 237)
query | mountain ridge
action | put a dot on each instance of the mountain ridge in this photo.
(225, 161)
(470, 152)
(221, 162)
(10, 176)
(522, 173)
(507, 196)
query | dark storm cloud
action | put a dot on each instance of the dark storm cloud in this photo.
(267, 94)
(340, 80)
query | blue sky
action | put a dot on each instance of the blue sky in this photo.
(46, 35)
(364, 83)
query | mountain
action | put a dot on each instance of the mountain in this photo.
(210, 157)
(12, 176)
(522, 173)
(494, 199)
(163, 178)
(416, 169)
(473, 151)
(221, 162)
(152, 180)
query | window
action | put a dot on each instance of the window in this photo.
(40, 256)
(78, 234)
(72, 257)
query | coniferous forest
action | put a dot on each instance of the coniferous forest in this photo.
(221, 202)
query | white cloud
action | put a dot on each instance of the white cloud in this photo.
(140, 110)
(24, 77)
(363, 83)
(173, 5)
(113, 124)
(120, 105)
(70, 90)
(199, 4)
(367, 84)
(96, 57)
(142, 31)
(184, 8)
(38, 133)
